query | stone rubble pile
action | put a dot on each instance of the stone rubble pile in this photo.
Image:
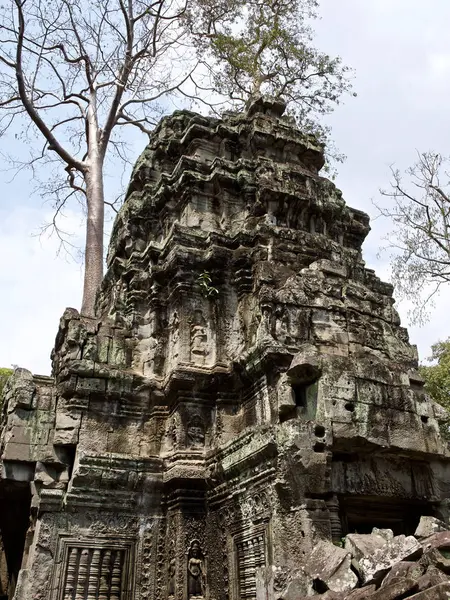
(381, 566)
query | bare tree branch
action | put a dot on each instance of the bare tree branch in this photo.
(420, 242)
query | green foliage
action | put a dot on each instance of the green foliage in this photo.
(205, 282)
(266, 46)
(437, 376)
(4, 375)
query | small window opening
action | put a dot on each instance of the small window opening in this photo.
(300, 393)
(305, 399)
(319, 431)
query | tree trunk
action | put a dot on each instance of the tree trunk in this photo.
(93, 258)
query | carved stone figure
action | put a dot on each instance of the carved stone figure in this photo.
(148, 356)
(172, 568)
(174, 431)
(199, 338)
(196, 572)
(195, 432)
(174, 329)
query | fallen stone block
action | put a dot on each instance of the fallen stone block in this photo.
(440, 540)
(373, 568)
(361, 545)
(298, 587)
(329, 595)
(437, 592)
(435, 559)
(362, 593)
(398, 589)
(403, 570)
(429, 526)
(331, 565)
(387, 534)
(432, 577)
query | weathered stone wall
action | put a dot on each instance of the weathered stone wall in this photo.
(246, 391)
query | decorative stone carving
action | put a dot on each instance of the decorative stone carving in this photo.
(174, 340)
(200, 338)
(195, 432)
(196, 572)
(93, 573)
(250, 556)
(174, 432)
(172, 572)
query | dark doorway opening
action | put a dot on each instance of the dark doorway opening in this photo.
(362, 513)
(15, 501)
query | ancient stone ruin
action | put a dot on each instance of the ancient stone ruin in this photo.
(244, 411)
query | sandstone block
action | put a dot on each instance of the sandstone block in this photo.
(18, 452)
(440, 540)
(362, 593)
(437, 592)
(434, 558)
(300, 586)
(396, 590)
(361, 545)
(332, 566)
(429, 526)
(432, 577)
(374, 567)
(402, 570)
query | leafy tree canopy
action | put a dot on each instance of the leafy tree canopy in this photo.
(266, 46)
(437, 376)
(4, 374)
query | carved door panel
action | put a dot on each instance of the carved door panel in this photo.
(93, 574)
(251, 553)
(94, 569)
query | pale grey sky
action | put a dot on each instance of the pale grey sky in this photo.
(400, 51)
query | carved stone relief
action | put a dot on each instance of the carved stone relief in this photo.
(174, 336)
(172, 437)
(94, 569)
(250, 554)
(171, 570)
(195, 432)
(200, 339)
(252, 507)
(196, 572)
(93, 573)
(264, 330)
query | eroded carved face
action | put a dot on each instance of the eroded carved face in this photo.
(196, 434)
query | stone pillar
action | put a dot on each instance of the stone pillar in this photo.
(335, 521)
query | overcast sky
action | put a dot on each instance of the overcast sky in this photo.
(400, 50)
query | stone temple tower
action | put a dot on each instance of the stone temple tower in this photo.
(245, 392)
